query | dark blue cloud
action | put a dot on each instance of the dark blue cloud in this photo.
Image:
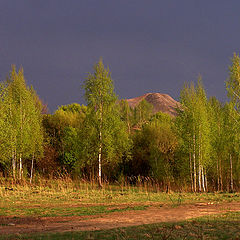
(149, 45)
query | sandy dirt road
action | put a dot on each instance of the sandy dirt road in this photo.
(153, 214)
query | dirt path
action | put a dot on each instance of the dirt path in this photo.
(154, 214)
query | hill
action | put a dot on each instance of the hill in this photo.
(161, 102)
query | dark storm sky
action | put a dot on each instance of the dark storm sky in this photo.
(149, 45)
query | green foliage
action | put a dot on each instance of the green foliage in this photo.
(154, 149)
(64, 131)
(142, 113)
(192, 124)
(136, 117)
(233, 83)
(140, 164)
(162, 149)
(21, 116)
(5, 129)
(105, 134)
(199, 147)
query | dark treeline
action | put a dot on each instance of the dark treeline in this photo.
(198, 150)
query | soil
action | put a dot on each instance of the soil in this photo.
(160, 102)
(153, 214)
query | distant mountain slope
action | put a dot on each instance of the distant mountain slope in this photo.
(161, 102)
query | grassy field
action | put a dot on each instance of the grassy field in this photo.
(49, 204)
(79, 198)
(56, 193)
(224, 226)
(63, 211)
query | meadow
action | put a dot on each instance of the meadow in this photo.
(65, 200)
(224, 226)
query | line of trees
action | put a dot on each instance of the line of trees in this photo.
(21, 133)
(198, 150)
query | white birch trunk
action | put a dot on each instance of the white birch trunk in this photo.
(218, 175)
(100, 165)
(203, 180)
(13, 165)
(194, 164)
(199, 164)
(190, 166)
(20, 166)
(231, 174)
(100, 148)
(31, 176)
(206, 182)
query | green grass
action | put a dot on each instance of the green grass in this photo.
(60, 193)
(64, 211)
(221, 226)
(68, 198)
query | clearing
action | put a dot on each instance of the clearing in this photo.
(153, 213)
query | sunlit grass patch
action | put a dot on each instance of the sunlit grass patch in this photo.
(64, 211)
(50, 197)
(221, 226)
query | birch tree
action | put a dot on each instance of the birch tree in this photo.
(233, 82)
(108, 135)
(233, 118)
(163, 144)
(24, 121)
(193, 126)
(218, 141)
(5, 129)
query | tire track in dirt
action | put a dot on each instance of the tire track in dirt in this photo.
(151, 215)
